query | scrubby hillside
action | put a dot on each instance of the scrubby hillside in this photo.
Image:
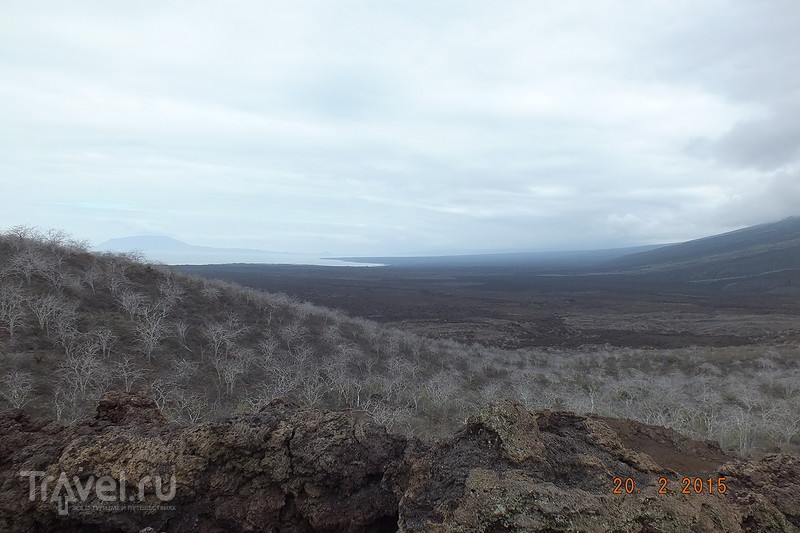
(75, 324)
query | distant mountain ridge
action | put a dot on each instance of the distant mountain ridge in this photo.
(162, 243)
(174, 252)
(767, 250)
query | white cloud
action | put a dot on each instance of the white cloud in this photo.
(358, 127)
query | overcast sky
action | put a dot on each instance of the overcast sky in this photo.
(400, 127)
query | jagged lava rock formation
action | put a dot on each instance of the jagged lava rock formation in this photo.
(299, 470)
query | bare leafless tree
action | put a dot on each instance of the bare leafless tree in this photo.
(786, 421)
(46, 308)
(372, 332)
(23, 235)
(27, 262)
(12, 308)
(223, 335)
(312, 389)
(17, 388)
(116, 283)
(266, 307)
(182, 331)
(64, 325)
(391, 346)
(151, 329)
(790, 382)
(210, 291)
(267, 348)
(84, 371)
(118, 264)
(184, 369)
(55, 238)
(91, 275)
(393, 384)
(128, 372)
(332, 335)
(106, 339)
(160, 390)
(170, 289)
(282, 380)
(355, 387)
(66, 403)
(413, 343)
(132, 303)
(191, 407)
(232, 367)
(302, 357)
(219, 336)
(386, 414)
(230, 370)
(52, 269)
(303, 310)
(293, 333)
(336, 374)
(441, 386)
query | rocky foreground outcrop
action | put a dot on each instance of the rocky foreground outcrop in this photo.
(298, 470)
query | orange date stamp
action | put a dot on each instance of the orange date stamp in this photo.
(687, 485)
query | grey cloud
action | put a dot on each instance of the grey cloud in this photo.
(766, 144)
(748, 51)
(768, 199)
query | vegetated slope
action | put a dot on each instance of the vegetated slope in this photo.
(305, 470)
(75, 324)
(770, 250)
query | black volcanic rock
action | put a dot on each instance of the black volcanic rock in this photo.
(512, 470)
(302, 470)
(121, 409)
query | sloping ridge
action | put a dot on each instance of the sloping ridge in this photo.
(161, 243)
(306, 470)
(144, 242)
(752, 251)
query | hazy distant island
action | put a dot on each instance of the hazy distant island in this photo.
(171, 251)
